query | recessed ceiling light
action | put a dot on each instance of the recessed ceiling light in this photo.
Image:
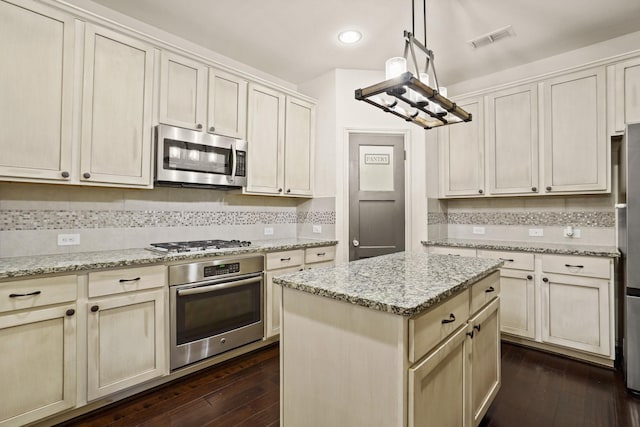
(349, 36)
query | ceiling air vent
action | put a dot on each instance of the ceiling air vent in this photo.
(492, 37)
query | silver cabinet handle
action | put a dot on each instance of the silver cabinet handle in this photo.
(212, 288)
(355, 243)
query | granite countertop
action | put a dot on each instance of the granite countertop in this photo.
(544, 248)
(62, 263)
(403, 283)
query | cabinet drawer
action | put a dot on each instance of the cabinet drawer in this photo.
(321, 254)
(577, 265)
(319, 264)
(126, 280)
(29, 293)
(484, 291)
(428, 329)
(515, 260)
(446, 250)
(284, 259)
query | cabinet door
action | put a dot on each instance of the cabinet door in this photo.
(575, 140)
(37, 364)
(36, 83)
(299, 138)
(265, 171)
(116, 115)
(485, 360)
(274, 300)
(438, 384)
(575, 313)
(627, 93)
(227, 104)
(517, 292)
(125, 343)
(462, 153)
(183, 91)
(512, 141)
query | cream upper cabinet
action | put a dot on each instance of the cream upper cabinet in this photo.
(299, 144)
(626, 94)
(116, 114)
(265, 140)
(575, 135)
(36, 82)
(512, 140)
(183, 89)
(227, 104)
(281, 135)
(462, 153)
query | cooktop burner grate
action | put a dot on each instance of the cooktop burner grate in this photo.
(197, 245)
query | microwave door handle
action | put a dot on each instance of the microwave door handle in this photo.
(234, 162)
(218, 287)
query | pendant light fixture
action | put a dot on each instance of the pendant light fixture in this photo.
(409, 95)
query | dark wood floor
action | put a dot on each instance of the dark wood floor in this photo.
(538, 390)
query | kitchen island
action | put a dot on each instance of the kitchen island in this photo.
(407, 339)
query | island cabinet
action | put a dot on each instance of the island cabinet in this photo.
(343, 363)
(37, 348)
(125, 328)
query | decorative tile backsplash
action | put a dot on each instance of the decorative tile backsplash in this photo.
(15, 220)
(541, 218)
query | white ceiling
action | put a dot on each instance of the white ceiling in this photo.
(296, 40)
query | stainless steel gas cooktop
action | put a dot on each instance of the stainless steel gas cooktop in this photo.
(197, 245)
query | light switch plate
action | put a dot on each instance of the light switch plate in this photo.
(68, 239)
(536, 232)
(317, 229)
(478, 230)
(268, 231)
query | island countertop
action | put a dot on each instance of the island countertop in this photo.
(403, 283)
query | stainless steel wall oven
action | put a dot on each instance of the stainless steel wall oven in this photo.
(215, 306)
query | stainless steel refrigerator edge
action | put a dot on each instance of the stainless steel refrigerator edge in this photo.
(629, 244)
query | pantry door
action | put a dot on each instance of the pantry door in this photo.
(376, 194)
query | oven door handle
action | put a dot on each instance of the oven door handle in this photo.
(218, 287)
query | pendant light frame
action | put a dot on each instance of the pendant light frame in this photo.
(399, 89)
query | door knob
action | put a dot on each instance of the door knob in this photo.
(355, 243)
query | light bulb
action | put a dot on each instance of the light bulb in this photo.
(394, 67)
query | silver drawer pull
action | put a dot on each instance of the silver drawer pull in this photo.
(30, 294)
(129, 280)
(573, 266)
(451, 319)
(213, 288)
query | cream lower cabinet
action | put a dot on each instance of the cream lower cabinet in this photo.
(440, 368)
(278, 263)
(437, 385)
(37, 348)
(484, 366)
(125, 329)
(517, 316)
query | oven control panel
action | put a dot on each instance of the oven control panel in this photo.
(221, 269)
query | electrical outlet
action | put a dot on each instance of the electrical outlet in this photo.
(268, 231)
(478, 230)
(317, 229)
(68, 239)
(572, 233)
(536, 232)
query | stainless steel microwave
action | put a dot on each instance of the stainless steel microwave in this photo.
(191, 158)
